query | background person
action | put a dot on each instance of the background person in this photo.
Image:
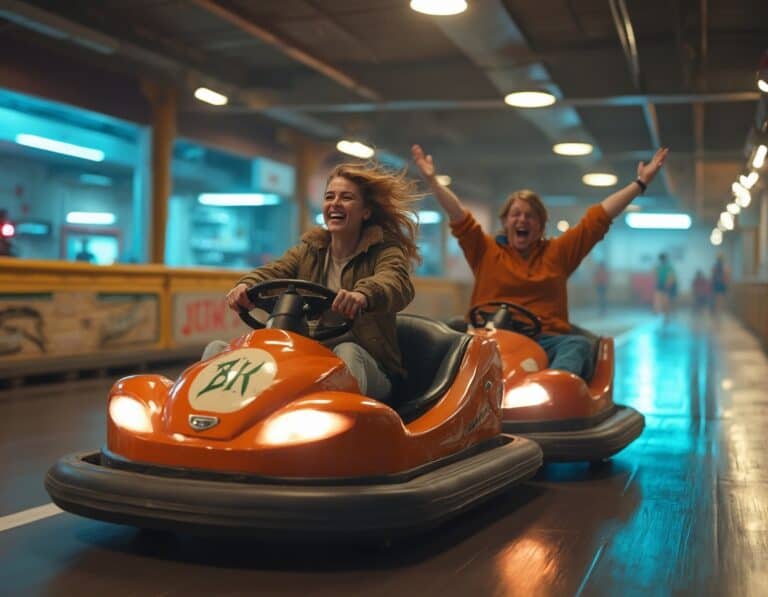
(701, 292)
(521, 266)
(666, 282)
(720, 279)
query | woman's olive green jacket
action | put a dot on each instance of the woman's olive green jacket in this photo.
(379, 269)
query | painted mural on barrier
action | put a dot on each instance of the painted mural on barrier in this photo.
(199, 317)
(70, 323)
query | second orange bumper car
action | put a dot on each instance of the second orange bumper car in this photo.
(570, 418)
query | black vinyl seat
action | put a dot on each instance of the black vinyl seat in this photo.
(431, 353)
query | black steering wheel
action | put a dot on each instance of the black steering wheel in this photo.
(291, 305)
(508, 316)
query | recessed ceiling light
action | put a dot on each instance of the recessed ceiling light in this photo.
(759, 159)
(599, 179)
(529, 99)
(210, 97)
(355, 148)
(572, 148)
(762, 85)
(439, 8)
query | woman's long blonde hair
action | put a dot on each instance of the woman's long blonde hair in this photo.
(391, 197)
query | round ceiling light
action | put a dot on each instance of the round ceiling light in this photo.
(355, 148)
(529, 99)
(599, 179)
(440, 8)
(572, 148)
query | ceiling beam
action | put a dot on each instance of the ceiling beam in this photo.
(289, 48)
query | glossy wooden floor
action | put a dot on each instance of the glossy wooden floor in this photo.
(683, 511)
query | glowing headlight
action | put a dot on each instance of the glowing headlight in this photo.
(301, 426)
(529, 394)
(130, 414)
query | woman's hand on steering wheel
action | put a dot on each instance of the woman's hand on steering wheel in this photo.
(349, 303)
(237, 298)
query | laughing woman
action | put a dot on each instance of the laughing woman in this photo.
(365, 255)
(521, 266)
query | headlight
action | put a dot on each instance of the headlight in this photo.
(130, 414)
(529, 394)
(302, 426)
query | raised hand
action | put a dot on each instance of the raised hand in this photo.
(424, 162)
(646, 172)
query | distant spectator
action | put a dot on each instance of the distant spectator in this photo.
(701, 292)
(720, 280)
(84, 254)
(666, 286)
(600, 280)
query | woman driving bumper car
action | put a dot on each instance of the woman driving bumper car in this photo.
(277, 436)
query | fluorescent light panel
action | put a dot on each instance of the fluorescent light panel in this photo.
(658, 221)
(209, 96)
(52, 145)
(102, 218)
(238, 199)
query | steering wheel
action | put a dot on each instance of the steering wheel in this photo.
(508, 316)
(291, 304)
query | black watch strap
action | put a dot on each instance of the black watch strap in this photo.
(642, 185)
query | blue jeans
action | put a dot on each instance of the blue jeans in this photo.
(570, 353)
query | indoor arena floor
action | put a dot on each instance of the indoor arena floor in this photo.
(681, 511)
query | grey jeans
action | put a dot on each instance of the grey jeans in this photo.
(372, 380)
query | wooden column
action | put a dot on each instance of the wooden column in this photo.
(309, 156)
(164, 102)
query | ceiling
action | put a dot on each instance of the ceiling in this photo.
(375, 70)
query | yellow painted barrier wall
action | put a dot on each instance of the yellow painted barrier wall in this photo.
(51, 311)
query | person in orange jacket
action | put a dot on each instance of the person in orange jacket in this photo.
(521, 266)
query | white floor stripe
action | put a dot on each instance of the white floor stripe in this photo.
(26, 516)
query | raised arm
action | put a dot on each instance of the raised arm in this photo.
(616, 203)
(449, 201)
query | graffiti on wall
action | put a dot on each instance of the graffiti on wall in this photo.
(69, 323)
